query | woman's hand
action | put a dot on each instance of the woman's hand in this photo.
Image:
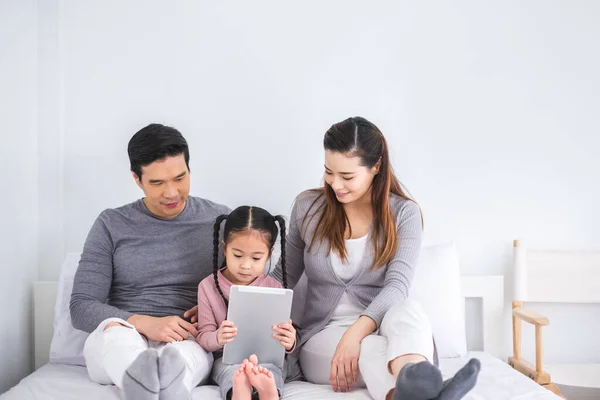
(226, 333)
(344, 364)
(286, 334)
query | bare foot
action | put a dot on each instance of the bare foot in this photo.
(253, 359)
(262, 379)
(242, 389)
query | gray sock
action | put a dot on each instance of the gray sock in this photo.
(140, 380)
(464, 380)
(420, 381)
(171, 371)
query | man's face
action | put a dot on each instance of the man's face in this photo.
(166, 184)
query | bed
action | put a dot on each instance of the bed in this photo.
(58, 376)
(67, 382)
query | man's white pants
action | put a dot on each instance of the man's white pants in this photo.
(108, 353)
(405, 329)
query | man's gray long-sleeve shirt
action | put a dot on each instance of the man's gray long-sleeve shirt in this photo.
(135, 263)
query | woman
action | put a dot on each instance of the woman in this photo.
(357, 239)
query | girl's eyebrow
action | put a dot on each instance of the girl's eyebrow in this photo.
(256, 252)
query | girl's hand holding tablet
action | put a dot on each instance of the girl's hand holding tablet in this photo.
(226, 333)
(286, 334)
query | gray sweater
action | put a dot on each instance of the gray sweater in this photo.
(376, 290)
(135, 263)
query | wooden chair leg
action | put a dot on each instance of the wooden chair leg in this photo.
(554, 389)
(517, 333)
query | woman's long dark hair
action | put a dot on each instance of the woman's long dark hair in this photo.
(361, 138)
(244, 219)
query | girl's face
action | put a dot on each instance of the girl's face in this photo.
(246, 255)
(349, 180)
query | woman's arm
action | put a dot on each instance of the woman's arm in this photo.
(400, 270)
(398, 277)
(344, 364)
(361, 328)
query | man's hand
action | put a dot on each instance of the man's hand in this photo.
(193, 313)
(226, 333)
(163, 329)
(286, 334)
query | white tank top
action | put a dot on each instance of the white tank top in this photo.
(348, 309)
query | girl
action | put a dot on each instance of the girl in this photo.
(357, 240)
(248, 239)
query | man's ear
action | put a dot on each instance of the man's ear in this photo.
(137, 180)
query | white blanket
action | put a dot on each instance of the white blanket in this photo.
(497, 381)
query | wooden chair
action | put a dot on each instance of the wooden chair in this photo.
(558, 277)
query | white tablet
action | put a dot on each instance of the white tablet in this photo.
(254, 311)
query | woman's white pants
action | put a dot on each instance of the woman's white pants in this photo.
(405, 329)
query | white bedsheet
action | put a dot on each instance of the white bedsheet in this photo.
(497, 381)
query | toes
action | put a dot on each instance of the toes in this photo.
(254, 359)
(474, 364)
(248, 367)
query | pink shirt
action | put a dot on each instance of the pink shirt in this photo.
(212, 310)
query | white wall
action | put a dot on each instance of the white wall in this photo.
(50, 139)
(18, 177)
(490, 110)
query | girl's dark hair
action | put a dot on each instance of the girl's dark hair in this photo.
(244, 219)
(155, 142)
(360, 138)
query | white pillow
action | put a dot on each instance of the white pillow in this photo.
(436, 286)
(67, 342)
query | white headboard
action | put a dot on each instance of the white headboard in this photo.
(490, 289)
(44, 298)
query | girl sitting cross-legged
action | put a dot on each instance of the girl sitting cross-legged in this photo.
(248, 239)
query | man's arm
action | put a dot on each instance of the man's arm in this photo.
(93, 281)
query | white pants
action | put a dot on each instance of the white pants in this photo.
(108, 353)
(405, 329)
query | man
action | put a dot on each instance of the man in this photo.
(139, 273)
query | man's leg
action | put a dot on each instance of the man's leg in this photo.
(195, 363)
(108, 352)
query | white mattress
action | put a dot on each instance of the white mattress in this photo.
(497, 381)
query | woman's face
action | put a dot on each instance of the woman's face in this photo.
(349, 180)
